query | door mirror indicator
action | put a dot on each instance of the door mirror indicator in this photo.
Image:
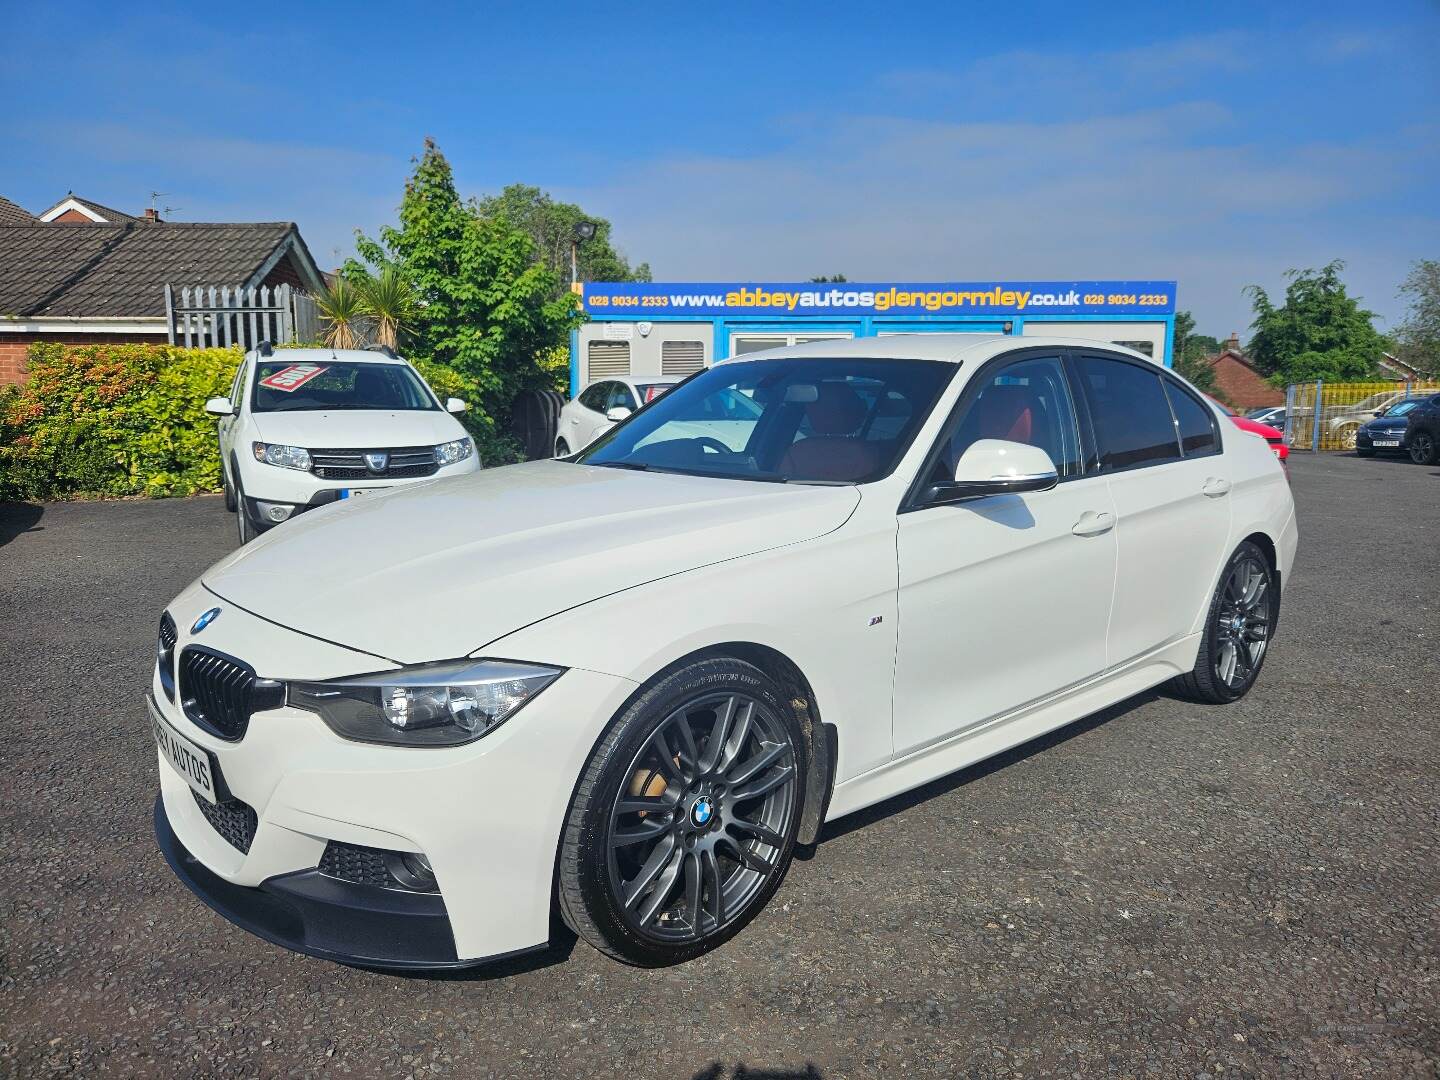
(219, 406)
(995, 467)
(618, 413)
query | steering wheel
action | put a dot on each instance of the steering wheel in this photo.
(714, 445)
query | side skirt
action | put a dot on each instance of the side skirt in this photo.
(1011, 729)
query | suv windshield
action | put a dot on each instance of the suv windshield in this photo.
(291, 386)
(788, 420)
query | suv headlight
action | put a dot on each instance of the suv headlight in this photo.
(432, 705)
(448, 453)
(287, 457)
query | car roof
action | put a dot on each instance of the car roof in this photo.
(334, 356)
(951, 348)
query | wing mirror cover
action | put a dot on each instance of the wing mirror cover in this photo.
(455, 405)
(996, 467)
(618, 413)
(219, 406)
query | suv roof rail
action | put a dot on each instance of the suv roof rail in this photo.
(384, 350)
(265, 348)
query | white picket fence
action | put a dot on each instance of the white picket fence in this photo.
(215, 316)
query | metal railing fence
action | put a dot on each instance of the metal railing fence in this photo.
(1326, 416)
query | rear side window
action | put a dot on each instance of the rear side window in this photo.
(595, 396)
(1133, 425)
(1196, 423)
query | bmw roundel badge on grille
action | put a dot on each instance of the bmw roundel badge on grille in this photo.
(205, 620)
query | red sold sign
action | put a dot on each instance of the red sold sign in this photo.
(292, 377)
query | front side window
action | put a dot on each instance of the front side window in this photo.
(1028, 402)
(1196, 424)
(1131, 416)
(620, 397)
(313, 386)
(595, 397)
(792, 420)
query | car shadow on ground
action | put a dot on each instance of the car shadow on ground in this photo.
(945, 784)
(721, 1071)
(17, 518)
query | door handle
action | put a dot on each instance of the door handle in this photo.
(1214, 487)
(1093, 524)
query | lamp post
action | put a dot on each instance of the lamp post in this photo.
(584, 230)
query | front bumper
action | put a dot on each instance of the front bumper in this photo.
(305, 491)
(1365, 440)
(488, 815)
(323, 916)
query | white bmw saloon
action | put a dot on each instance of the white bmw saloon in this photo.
(404, 731)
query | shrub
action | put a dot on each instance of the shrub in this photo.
(131, 420)
(113, 420)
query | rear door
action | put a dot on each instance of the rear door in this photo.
(1170, 488)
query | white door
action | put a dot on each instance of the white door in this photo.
(1172, 501)
(228, 424)
(1006, 599)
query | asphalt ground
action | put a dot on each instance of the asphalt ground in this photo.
(1160, 890)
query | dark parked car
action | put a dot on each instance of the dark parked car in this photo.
(1386, 433)
(1422, 435)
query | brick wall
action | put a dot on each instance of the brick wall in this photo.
(1242, 386)
(14, 346)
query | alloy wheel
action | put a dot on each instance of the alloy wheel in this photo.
(699, 825)
(1242, 622)
(1422, 448)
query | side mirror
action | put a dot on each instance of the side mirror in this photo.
(618, 413)
(219, 406)
(996, 467)
(455, 405)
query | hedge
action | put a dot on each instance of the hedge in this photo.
(131, 420)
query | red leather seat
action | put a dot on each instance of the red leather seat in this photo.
(1005, 413)
(832, 451)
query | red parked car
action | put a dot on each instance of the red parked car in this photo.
(1274, 436)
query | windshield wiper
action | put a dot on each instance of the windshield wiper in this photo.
(636, 466)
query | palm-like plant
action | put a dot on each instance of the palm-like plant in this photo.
(389, 301)
(344, 312)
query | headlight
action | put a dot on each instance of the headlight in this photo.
(287, 457)
(432, 705)
(449, 453)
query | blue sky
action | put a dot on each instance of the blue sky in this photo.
(771, 141)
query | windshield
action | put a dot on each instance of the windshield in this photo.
(288, 386)
(788, 420)
(1400, 408)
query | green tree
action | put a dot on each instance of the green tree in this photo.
(1192, 352)
(486, 306)
(1418, 337)
(390, 304)
(551, 228)
(833, 279)
(1320, 332)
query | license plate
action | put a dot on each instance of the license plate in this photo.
(1386, 442)
(355, 493)
(196, 765)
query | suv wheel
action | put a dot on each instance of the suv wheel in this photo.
(246, 528)
(684, 822)
(1423, 450)
(1238, 628)
(230, 502)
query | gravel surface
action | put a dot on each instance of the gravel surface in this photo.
(1161, 890)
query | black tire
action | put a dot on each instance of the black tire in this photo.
(1423, 447)
(710, 869)
(244, 525)
(1217, 679)
(562, 448)
(230, 503)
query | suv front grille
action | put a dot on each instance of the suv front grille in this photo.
(219, 693)
(235, 821)
(401, 462)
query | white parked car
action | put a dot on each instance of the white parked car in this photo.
(602, 405)
(399, 732)
(306, 427)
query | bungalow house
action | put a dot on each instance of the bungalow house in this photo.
(1237, 381)
(83, 273)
